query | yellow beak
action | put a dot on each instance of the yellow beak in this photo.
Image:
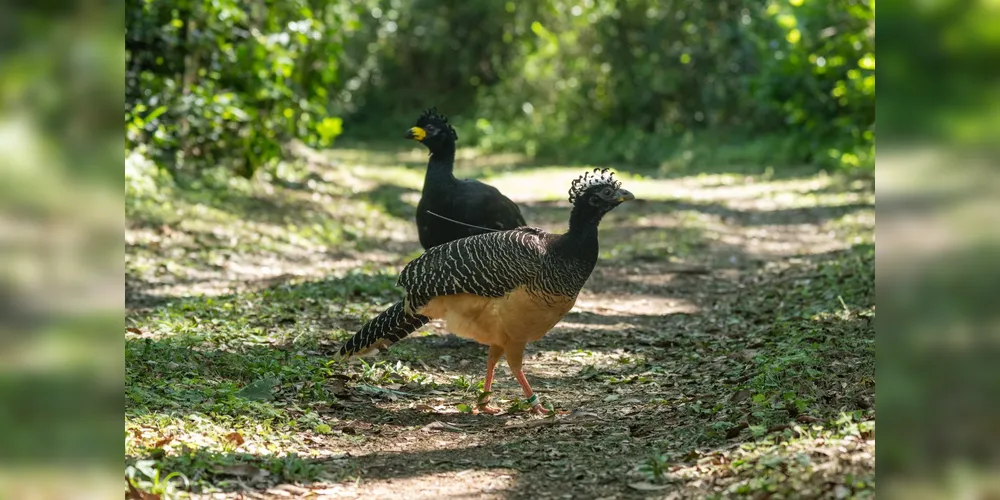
(416, 133)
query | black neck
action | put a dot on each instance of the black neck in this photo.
(580, 242)
(442, 163)
(584, 219)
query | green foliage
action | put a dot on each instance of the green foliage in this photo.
(146, 476)
(656, 466)
(630, 80)
(959, 104)
(820, 320)
(223, 83)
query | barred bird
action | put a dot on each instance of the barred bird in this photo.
(503, 289)
(473, 204)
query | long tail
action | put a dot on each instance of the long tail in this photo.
(383, 331)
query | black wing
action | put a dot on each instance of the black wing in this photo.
(484, 205)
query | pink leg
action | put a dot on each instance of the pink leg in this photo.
(491, 363)
(515, 356)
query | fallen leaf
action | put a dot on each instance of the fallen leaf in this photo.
(334, 490)
(806, 419)
(137, 494)
(259, 390)
(291, 488)
(134, 330)
(777, 428)
(442, 426)
(644, 486)
(740, 396)
(338, 387)
(736, 429)
(841, 491)
(383, 392)
(241, 470)
(235, 438)
(868, 435)
(166, 439)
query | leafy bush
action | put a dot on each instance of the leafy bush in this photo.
(634, 81)
(226, 83)
(627, 80)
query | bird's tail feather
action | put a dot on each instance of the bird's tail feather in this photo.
(382, 331)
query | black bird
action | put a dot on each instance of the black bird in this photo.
(503, 289)
(463, 200)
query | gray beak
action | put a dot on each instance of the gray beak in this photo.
(624, 195)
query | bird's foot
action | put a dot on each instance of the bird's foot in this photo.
(541, 410)
(486, 408)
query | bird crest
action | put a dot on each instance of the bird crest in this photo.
(433, 118)
(598, 177)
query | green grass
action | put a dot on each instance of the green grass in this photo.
(822, 323)
(795, 462)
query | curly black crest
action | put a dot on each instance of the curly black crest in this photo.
(599, 177)
(433, 118)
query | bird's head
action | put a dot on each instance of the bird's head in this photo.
(597, 192)
(432, 130)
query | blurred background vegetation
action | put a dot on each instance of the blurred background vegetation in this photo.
(658, 85)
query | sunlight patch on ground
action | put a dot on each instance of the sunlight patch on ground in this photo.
(786, 240)
(365, 177)
(603, 328)
(537, 184)
(737, 192)
(467, 483)
(802, 461)
(634, 304)
(548, 183)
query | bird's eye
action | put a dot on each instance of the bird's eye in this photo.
(606, 192)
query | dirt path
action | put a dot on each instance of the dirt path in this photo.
(723, 346)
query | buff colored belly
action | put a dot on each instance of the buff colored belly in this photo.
(518, 317)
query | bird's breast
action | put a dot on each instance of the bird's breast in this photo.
(520, 316)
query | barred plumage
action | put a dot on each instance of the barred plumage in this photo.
(503, 289)
(383, 330)
(487, 265)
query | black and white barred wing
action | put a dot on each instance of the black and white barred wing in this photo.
(488, 265)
